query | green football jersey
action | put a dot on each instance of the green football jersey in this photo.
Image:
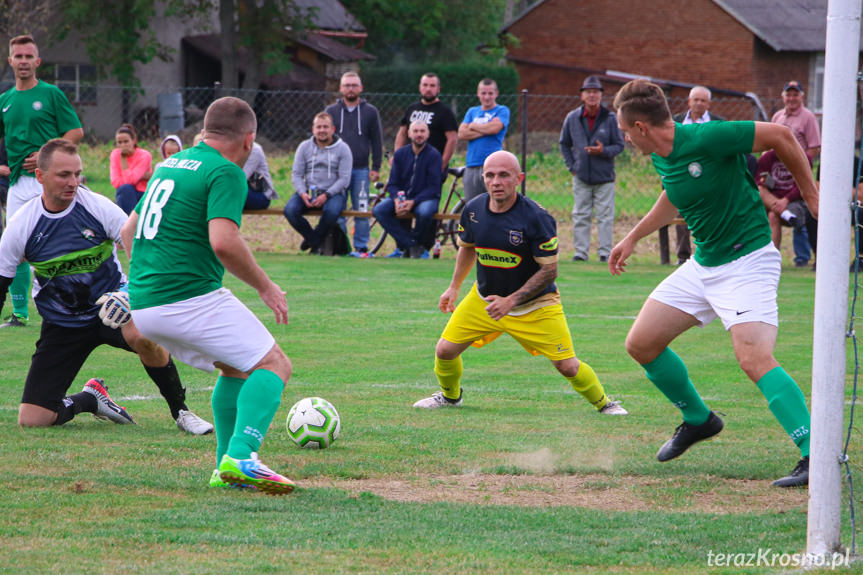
(707, 180)
(30, 118)
(172, 259)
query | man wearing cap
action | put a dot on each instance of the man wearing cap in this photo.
(804, 126)
(589, 141)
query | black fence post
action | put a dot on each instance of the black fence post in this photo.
(524, 139)
(664, 255)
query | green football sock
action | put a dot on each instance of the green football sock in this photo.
(224, 403)
(18, 290)
(587, 384)
(257, 404)
(669, 374)
(788, 406)
(448, 372)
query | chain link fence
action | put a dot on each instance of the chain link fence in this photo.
(285, 119)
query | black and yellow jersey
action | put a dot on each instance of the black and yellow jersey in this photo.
(510, 246)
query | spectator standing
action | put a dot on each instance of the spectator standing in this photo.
(33, 112)
(321, 173)
(589, 141)
(261, 190)
(358, 123)
(131, 167)
(441, 122)
(698, 113)
(416, 172)
(804, 126)
(484, 128)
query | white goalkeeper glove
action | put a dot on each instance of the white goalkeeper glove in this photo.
(116, 311)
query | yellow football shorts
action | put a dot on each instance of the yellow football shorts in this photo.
(543, 331)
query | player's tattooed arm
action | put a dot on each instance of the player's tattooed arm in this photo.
(536, 283)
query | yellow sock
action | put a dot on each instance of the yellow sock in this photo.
(448, 372)
(587, 384)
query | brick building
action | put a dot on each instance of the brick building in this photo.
(731, 46)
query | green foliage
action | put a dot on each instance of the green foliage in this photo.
(456, 77)
(261, 29)
(404, 31)
(118, 34)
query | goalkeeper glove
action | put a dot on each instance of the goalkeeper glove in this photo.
(116, 311)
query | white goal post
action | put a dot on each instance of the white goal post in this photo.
(831, 279)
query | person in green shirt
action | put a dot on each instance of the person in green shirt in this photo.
(184, 234)
(31, 113)
(735, 272)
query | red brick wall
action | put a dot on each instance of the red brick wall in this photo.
(690, 41)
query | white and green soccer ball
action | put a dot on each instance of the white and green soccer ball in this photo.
(313, 422)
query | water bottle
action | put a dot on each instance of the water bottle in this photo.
(436, 249)
(363, 198)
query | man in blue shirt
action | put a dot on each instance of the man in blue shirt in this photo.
(484, 128)
(416, 171)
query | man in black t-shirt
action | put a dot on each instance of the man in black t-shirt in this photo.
(443, 127)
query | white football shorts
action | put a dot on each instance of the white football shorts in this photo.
(740, 291)
(21, 192)
(203, 330)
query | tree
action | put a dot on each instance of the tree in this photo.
(115, 49)
(19, 17)
(262, 29)
(413, 31)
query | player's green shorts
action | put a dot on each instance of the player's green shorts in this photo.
(543, 331)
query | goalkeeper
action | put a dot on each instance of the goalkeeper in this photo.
(67, 235)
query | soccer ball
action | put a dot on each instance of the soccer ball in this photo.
(313, 422)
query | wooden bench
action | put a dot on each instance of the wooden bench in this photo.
(344, 213)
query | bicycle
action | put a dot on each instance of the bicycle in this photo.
(446, 230)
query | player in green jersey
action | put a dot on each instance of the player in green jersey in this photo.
(31, 113)
(184, 233)
(735, 272)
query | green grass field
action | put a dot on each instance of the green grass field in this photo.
(526, 478)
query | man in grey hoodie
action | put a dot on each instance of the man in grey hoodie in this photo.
(358, 123)
(321, 172)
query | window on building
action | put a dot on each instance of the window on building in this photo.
(815, 95)
(78, 81)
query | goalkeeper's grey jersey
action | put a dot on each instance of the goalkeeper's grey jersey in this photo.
(72, 252)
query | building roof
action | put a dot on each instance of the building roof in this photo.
(330, 15)
(784, 25)
(332, 49)
(210, 45)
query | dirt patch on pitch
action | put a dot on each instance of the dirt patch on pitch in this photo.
(594, 491)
